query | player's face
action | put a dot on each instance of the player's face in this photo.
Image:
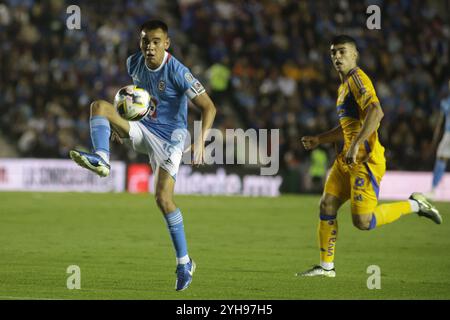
(153, 45)
(343, 57)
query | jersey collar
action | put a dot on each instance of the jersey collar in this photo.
(350, 73)
(166, 55)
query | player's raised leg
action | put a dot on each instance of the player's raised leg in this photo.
(367, 214)
(103, 116)
(327, 234)
(164, 189)
(390, 212)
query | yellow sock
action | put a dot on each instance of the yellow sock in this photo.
(389, 212)
(327, 241)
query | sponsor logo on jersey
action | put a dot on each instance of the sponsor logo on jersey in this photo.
(359, 182)
(197, 87)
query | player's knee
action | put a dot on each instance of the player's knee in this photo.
(99, 108)
(361, 224)
(164, 202)
(327, 207)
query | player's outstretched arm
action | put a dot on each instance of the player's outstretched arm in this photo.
(333, 135)
(369, 126)
(208, 110)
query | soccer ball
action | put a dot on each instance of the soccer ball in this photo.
(133, 103)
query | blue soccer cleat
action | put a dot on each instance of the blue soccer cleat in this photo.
(184, 275)
(91, 161)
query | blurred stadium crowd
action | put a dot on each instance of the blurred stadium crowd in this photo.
(265, 63)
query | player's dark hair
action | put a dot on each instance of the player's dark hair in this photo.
(343, 39)
(154, 24)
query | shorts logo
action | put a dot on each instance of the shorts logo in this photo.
(189, 77)
(359, 182)
(161, 85)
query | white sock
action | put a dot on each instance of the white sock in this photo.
(327, 265)
(104, 155)
(183, 260)
(414, 205)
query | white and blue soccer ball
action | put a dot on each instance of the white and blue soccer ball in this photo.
(133, 103)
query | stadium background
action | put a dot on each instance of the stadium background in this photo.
(273, 56)
(266, 65)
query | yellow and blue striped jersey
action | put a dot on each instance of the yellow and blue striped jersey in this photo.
(355, 95)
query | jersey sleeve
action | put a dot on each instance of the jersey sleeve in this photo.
(132, 66)
(186, 83)
(362, 89)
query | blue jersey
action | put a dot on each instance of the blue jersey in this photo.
(170, 85)
(445, 108)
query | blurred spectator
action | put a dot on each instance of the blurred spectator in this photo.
(318, 169)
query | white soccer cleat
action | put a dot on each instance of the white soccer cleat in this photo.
(317, 271)
(426, 209)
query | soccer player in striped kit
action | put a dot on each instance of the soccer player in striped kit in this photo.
(360, 166)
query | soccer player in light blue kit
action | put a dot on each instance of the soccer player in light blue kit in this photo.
(160, 134)
(443, 151)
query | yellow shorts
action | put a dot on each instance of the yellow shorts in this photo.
(360, 184)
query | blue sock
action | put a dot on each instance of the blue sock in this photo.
(438, 173)
(100, 132)
(176, 228)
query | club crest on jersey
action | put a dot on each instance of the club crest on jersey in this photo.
(161, 85)
(189, 77)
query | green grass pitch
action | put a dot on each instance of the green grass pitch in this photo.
(245, 248)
